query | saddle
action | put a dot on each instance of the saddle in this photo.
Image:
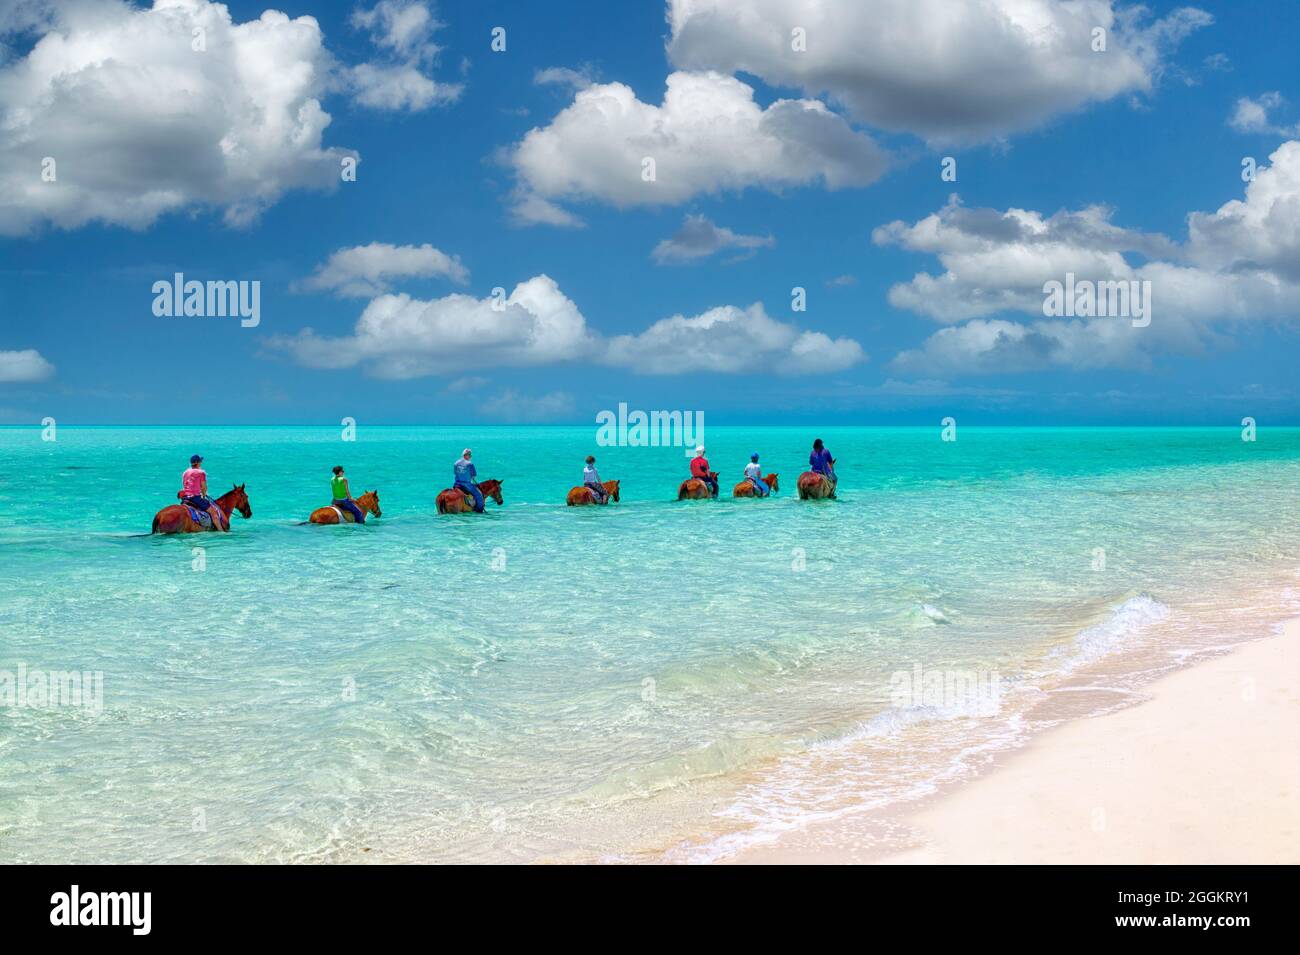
(202, 518)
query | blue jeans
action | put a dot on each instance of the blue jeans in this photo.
(762, 488)
(351, 507)
(597, 491)
(473, 491)
(199, 502)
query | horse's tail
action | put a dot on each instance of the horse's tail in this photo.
(154, 528)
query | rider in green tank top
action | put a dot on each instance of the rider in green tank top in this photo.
(343, 496)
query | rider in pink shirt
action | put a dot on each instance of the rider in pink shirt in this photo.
(194, 492)
(194, 482)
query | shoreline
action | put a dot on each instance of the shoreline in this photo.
(1200, 771)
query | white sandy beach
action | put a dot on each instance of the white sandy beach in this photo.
(1204, 771)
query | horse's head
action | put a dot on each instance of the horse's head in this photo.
(713, 476)
(369, 502)
(237, 498)
(770, 481)
(492, 488)
(612, 487)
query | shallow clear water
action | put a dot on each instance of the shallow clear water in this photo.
(535, 681)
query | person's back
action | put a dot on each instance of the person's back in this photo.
(194, 492)
(700, 470)
(339, 487)
(192, 481)
(591, 480)
(822, 463)
(466, 479)
(343, 496)
(754, 474)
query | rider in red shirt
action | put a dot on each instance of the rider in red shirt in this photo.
(700, 469)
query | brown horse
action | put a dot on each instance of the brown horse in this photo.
(813, 486)
(452, 501)
(695, 489)
(175, 518)
(746, 489)
(368, 502)
(583, 495)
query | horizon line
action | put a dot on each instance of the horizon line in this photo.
(566, 424)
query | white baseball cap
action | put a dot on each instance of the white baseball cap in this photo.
(699, 449)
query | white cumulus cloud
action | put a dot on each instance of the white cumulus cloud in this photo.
(403, 30)
(943, 69)
(116, 113)
(565, 77)
(1260, 233)
(1254, 115)
(24, 366)
(698, 238)
(364, 271)
(731, 340)
(138, 123)
(399, 336)
(1239, 263)
(708, 136)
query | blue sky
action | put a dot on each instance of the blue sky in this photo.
(1156, 135)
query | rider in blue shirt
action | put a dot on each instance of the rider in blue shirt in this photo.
(465, 474)
(821, 462)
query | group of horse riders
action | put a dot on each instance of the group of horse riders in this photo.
(820, 463)
(194, 483)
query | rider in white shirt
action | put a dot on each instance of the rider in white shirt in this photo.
(591, 481)
(755, 474)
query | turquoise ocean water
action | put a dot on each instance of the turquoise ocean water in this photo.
(650, 680)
